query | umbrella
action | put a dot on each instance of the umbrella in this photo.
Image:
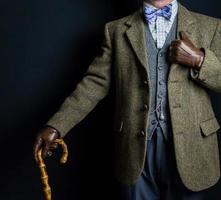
(42, 167)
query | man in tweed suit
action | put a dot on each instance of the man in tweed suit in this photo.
(163, 59)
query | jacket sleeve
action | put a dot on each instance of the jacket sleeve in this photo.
(89, 91)
(209, 74)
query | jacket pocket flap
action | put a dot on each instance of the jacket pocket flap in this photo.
(209, 126)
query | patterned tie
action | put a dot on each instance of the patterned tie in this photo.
(151, 14)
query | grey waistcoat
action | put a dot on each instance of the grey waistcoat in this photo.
(158, 74)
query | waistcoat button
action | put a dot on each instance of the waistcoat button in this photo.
(160, 67)
(161, 82)
(153, 122)
(160, 95)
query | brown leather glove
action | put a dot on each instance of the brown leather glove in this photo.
(184, 52)
(45, 140)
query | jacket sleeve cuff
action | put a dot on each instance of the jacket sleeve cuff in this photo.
(60, 129)
(202, 73)
(47, 125)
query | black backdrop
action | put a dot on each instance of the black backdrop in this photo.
(45, 47)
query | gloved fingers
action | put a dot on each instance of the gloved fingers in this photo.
(181, 44)
(37, 147)
(47, 150)
(182, 59)
(175, 43)
(176, 51)
(181, 51)
(178, 55)
(178, 59)
(54, 145)
(189, 48)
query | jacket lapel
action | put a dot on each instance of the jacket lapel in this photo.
(188, 24)
(136, 36)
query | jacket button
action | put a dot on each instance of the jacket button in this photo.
(145, 82)
(145, 106)
(142, 133)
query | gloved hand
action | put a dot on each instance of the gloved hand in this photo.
(45, 140)
(184, 52)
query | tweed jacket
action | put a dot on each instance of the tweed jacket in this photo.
(123, 64)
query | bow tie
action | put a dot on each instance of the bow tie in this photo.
(151, 14)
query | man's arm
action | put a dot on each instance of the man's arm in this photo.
(209, 73)
(89, 91)
(204, 63)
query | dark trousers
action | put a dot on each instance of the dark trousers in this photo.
(159, 179)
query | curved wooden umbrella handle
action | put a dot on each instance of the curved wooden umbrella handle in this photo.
(42, 167)
(64, 147)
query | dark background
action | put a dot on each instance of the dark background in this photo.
(45, 47)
